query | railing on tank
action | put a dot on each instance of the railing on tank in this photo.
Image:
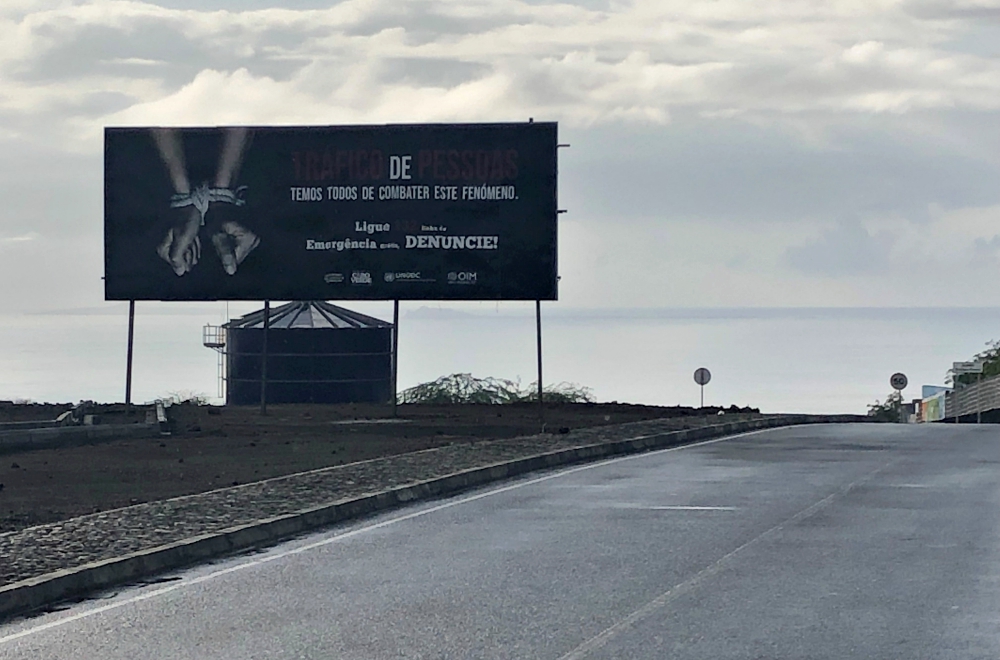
(214, 337)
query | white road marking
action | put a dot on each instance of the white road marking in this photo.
(372, 421)
(692, 508)
(355, 532)
(601, 639)
(670, 507)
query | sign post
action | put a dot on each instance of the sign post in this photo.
(128, 362)
(898, 382)
(970, 367)
(395, 355)
(263, 359)
(702, 376)
(538, 333)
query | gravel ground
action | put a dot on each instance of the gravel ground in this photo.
(42, 549)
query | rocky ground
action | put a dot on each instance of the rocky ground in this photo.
(215, 447)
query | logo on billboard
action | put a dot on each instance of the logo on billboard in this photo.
(361, 277)
(333, 278)
(462, 277)
(409, 276)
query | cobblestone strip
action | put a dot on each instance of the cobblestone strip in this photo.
(36, 551)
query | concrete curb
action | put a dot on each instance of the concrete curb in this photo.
(34, 593)
(69, 436)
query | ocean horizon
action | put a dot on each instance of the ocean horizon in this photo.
(779, 359)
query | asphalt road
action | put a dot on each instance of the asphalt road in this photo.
(863, 541)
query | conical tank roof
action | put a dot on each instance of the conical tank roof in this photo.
(308, 314)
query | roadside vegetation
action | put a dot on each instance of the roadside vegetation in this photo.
(888, 410)
(991, 365)
(466, 388)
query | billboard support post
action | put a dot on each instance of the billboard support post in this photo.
(128, 359)
(395, 354)
(263, 359)
(538, 332)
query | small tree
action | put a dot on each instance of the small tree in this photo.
(560, 393)
(991, 365)
(186, 396)
(466, 388)
(889, 410)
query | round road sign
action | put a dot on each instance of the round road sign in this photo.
(702, 376)
(898, 381)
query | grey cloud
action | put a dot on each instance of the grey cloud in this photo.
(424, 25)
(802, 86)
(579, 74)
(593, 5)
(99, 103)
(733, 170)
(848, 249)
(539, 87)
(246, 5)
(49, 191)
(431, 72)
(160, 48)
(51, 271)
(950, 9)
(986, 253)
(979, 39)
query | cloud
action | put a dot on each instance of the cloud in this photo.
(640, 62)
(717, 146)
(951, 257)
(13, 240)
(846, 249)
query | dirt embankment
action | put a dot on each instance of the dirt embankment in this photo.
(214, 447)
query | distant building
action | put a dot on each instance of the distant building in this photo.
(316, 353)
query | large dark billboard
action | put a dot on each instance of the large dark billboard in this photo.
(409, 212)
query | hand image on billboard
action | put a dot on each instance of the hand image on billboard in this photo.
(181, 247)
(233, 244)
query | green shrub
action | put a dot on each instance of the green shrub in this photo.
(888, 410)
(465, 388)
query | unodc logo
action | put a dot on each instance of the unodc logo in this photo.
(389, 277)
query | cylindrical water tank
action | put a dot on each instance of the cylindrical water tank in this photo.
(316, 353)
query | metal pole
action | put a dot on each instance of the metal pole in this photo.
(128, 360)
(395, 353)
(263, 359)
(702, 396)
(979, 394)
(954, 391)
(538, 330)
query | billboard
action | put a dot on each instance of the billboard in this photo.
(407, 212)
(933, 408)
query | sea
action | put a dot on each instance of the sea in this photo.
(810, 360)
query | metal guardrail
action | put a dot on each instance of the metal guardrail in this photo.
(975, 398)
(70, 436)
(22, 426)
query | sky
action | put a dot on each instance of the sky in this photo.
(724, 153)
